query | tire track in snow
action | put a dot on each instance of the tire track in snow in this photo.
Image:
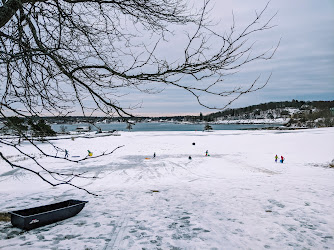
(118, 230)
(245, 164)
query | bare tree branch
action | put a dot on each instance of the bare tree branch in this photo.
(57, 54)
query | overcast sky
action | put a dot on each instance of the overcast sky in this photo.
(302, 68)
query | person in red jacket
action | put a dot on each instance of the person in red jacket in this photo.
(282, 159)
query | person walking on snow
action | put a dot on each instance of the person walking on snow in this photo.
(66, 153)
(154, 155)
(282, 159)
(276, 157)
(206, 153)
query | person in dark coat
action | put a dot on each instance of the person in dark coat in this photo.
(282, 159)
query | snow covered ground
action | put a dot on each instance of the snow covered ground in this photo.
(236, 198)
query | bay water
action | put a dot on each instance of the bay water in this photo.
(160, 126)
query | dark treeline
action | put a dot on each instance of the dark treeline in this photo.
(63, 119)
(321, 105)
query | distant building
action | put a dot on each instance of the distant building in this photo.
(332, 110)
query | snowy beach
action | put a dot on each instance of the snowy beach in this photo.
(236, 198)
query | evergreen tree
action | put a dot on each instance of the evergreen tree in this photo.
(207, 127)
(16, 125)
(41, 129)
(201, 116)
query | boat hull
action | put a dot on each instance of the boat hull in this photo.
(40, 216)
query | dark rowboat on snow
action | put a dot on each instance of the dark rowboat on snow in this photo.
(40, 216)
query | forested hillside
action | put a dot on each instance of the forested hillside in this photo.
(296, 113)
